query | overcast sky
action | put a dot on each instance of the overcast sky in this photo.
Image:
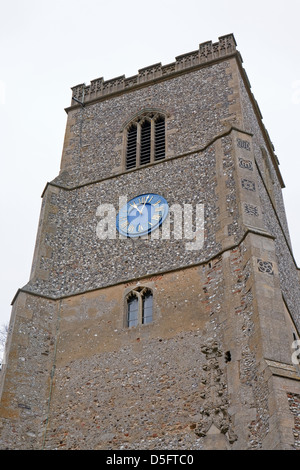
(49, 46)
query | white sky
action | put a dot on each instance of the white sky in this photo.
(48, 46)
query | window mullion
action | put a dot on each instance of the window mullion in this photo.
(140, 304)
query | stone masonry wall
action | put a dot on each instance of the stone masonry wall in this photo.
(294, 404)
(25, 374)
(79, 260)
(200, 107)
(148, 386)
(197, 106)
(273, 210)
(197, 377)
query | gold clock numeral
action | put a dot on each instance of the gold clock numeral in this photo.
(156, 216)
(124, 224)
(157, 202)
(130, 228)
(140, 229)
(143, 199)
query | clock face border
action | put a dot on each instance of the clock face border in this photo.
(157, 205)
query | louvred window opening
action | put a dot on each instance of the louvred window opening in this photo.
(146, 141)
(131, 147)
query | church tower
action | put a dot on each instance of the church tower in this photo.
(162, 310)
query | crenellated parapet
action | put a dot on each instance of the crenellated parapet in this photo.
(207, 52)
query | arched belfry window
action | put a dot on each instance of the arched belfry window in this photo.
(139, 307)
(145, 139)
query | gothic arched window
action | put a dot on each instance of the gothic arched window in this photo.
(145, 140)
(139, 304)
(147, 307)
(133, 310)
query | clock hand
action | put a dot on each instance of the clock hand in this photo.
(144, 204)
(135, 207)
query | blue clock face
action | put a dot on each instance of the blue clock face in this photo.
(141, 215)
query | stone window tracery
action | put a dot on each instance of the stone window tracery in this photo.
(139, 307)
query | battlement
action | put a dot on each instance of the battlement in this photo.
(207, 52)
